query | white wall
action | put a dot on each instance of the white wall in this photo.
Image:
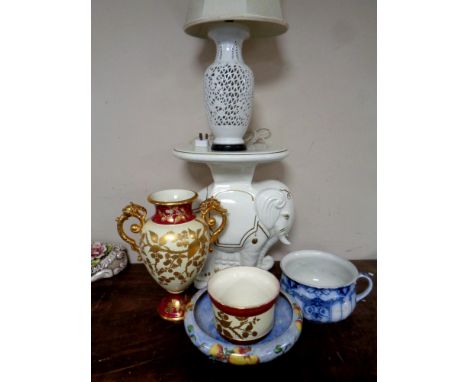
(315, 90)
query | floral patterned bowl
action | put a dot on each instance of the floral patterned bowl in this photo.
(200, 326)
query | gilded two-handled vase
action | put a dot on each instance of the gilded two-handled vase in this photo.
(173, 243)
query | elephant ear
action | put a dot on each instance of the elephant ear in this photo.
(268, 205)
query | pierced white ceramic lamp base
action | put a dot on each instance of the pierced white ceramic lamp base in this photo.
(259, 213)
(228, 87)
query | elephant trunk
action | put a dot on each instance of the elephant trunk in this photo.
(272, 240)
(284, 239)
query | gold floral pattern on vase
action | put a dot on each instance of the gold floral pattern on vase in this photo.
(173, 243)
(175, 257)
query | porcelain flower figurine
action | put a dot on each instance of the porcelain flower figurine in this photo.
(107, 260)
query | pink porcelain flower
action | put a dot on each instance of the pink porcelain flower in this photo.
(97, 250)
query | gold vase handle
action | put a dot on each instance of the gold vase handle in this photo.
(135, 211)
(207, 206)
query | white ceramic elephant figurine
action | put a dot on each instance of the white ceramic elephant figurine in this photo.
(259, 215)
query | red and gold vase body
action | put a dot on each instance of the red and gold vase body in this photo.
(174, 242)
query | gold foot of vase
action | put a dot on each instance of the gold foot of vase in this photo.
(172, 307)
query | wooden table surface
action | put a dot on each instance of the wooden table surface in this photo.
(130, 342)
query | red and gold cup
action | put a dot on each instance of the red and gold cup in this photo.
(243, 301)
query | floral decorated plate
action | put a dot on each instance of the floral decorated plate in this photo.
(107, 260)
(200, 327)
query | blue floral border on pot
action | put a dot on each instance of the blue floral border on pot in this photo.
(321, 304)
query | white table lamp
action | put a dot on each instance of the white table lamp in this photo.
(229, 82)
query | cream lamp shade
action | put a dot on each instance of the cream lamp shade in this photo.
(264, 18)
